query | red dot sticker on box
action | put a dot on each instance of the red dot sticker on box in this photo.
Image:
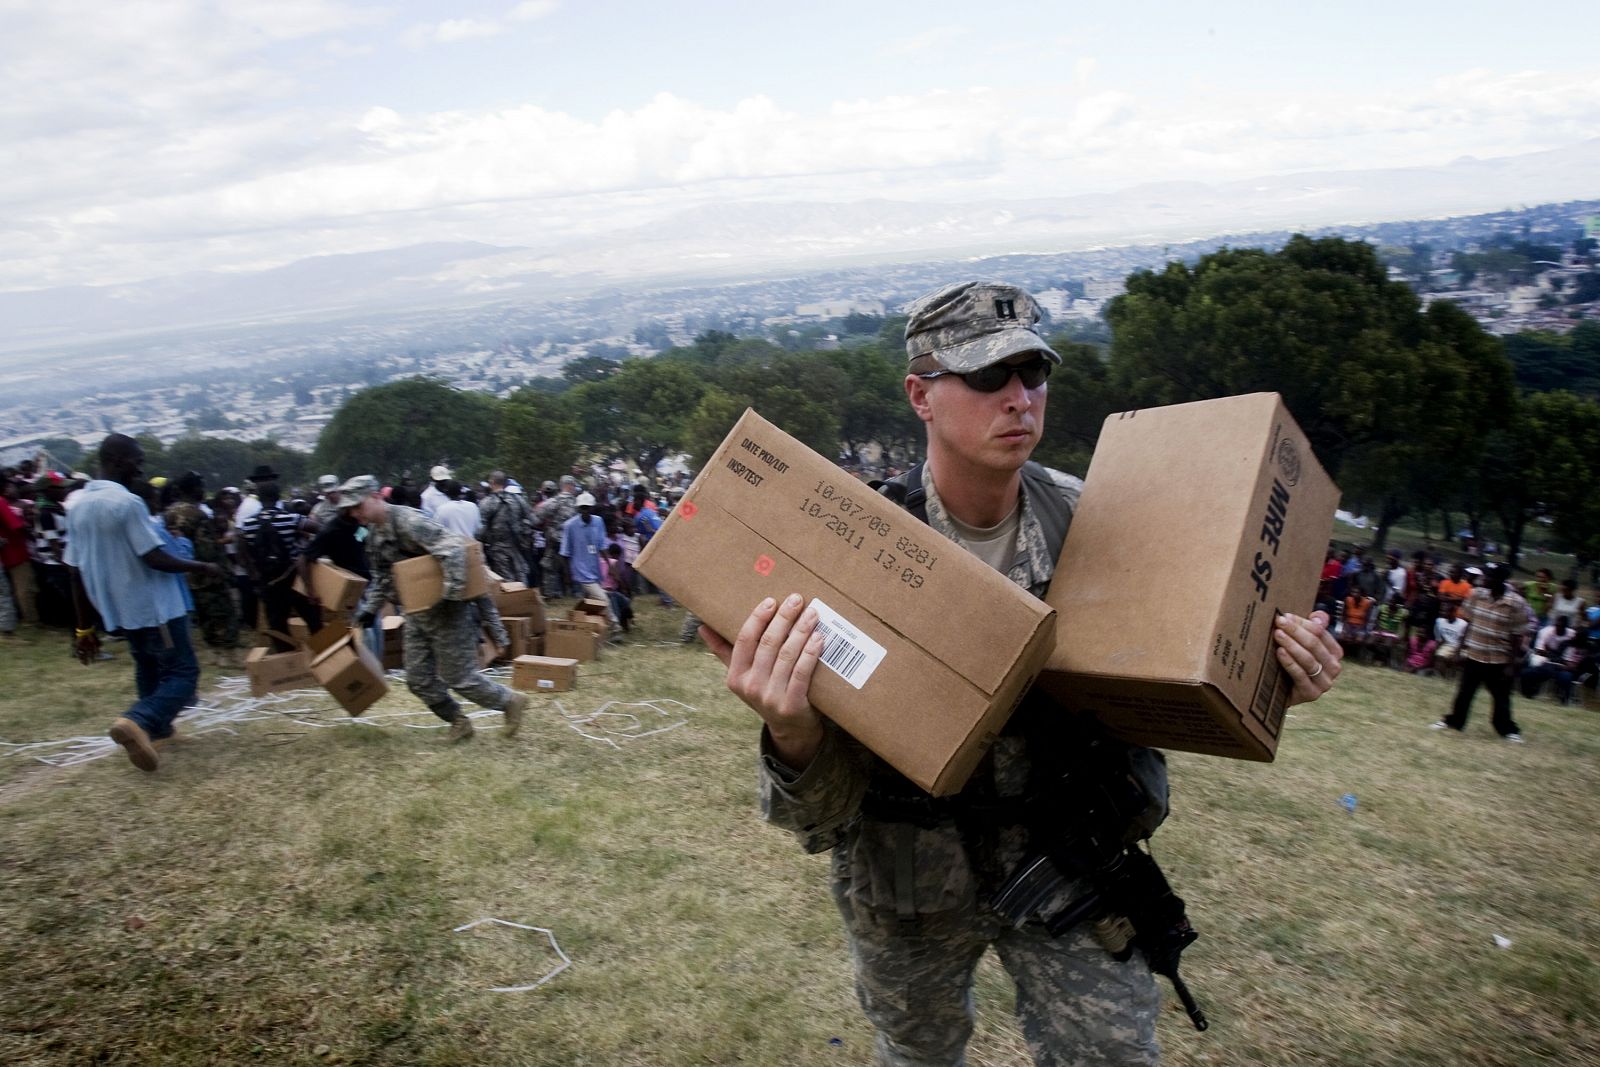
(764, 565)
(688, 509)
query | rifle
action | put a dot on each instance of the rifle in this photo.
(1125, 883)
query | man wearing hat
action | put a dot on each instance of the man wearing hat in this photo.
(1491, 651)
(326, 509)
(553, 515)
(507, 532)
(913, 875)
(434, 494)
(441, 649)
(583, 542)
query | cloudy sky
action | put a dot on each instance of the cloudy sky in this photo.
(157, 136)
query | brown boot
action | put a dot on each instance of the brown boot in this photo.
(513, 713)
(460, 728)
(131, 736)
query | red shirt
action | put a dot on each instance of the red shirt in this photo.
(14, 550)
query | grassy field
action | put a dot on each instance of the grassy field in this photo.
(287, 894)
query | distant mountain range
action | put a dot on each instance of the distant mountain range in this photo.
(728, 241)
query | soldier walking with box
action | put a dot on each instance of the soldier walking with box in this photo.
(916, 877)
(441, 646)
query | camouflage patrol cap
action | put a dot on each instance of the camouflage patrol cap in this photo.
(969, 325)
(356, 490)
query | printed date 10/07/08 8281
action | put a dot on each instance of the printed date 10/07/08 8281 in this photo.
(854, 533)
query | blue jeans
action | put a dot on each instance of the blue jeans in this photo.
(165, 673)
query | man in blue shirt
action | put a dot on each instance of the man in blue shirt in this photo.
(583, 539)
(120, 565)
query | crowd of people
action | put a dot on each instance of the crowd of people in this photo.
(1411, 613)
(260, 535)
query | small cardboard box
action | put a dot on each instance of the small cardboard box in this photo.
(279, 672)
(338, 590)
(568, 640)
(419, 581)
(299, 630)
(394, 642)
(344, 667)
(520, 629)
(544, 674)
(599, 625)
(514, 598)
(591, 606)
(1199, 524)
(928, 651)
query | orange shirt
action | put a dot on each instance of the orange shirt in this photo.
(1356, 609)
(1456, 591)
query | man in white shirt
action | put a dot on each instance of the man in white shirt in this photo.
(457, 515)
(432, 496)
(1567, 603)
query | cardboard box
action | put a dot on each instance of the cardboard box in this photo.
(514, 598)
(568, 640)
(598, 625)
(343, 666)
(419, 581)
(279, 672)
(591, 606)
(544, 674)
(338, 590)
(394, 642)
(929, 650)
(520, 629)
(299, 630)
(1198, 524)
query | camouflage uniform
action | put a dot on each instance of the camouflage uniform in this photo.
(552, 515)
(915, 946)
(441, 649)
(507, 525)
(214, 608)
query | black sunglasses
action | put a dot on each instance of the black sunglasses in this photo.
(993, 378)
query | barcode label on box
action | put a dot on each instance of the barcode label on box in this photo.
(846, 651)
(546, 683)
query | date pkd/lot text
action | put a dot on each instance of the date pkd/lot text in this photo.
(927, 650)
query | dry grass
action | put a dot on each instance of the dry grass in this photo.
(275, 899)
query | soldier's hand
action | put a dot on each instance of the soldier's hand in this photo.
(770, 667)
(1309, 653)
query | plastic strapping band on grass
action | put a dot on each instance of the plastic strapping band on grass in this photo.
(576, 723)
(565, 962)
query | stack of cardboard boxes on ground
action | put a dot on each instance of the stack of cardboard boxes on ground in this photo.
(1198, 524)
(335, 657)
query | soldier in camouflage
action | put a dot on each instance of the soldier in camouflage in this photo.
(441, 645)
(552, 515)
(507, 532)
(912, 875)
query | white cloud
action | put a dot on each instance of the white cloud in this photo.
(529, 10)
(168, 141)
(933, 39)
(451, 31)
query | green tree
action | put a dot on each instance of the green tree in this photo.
(538, 437)
(222, 461)
(638, 412)
(406, 427)
(63, 452)
(710, 422)
(591, 368)
(1385, 391)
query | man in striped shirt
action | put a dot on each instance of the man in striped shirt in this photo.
(1491, 651)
